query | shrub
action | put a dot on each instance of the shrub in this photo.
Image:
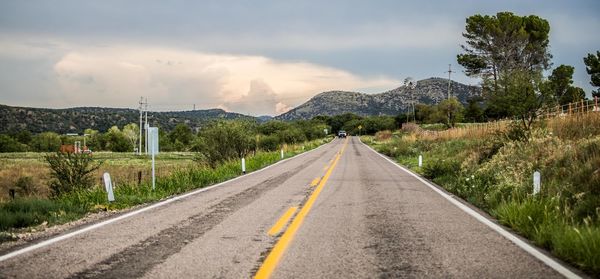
(25, 186)
(70, 172)
(269, 143)
(576, 127)
(439, 168)
(226, 140)
(8, 144)
(21, 213)
(291, 135)
(383, 135)
(46, 142)
(516, 132)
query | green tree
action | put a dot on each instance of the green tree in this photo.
(94, 140)
(269, 143)
(272, 127)
(452, 110)
(165, 141)
(291, 135)
(423, 113)
(116, 141)
(226, 140)
(182, 133)
(312, 129)
(559, 87)
(474, 111)
(520, 97)
(400, 119)
(592, 63)
(573, 94)
(351, 126)
(337, 122)
(131, 132)
(23, 137)
(499, 44)
(46, 142)
(8, 144)
(374, 124)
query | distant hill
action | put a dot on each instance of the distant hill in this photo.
(75, 120)
(428, 91)
(264, 118)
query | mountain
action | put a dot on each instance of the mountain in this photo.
(75, 120)
(428, 91)
(264, 118)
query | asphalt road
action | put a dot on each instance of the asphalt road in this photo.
(363, 218)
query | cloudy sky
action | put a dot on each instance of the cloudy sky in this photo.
(254, 57)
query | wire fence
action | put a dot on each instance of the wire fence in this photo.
(480, 130)
(583, 106)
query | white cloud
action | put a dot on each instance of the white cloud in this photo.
(282, 108)
(177, 79)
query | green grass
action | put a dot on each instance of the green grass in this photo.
(28, 212)
(495, 174)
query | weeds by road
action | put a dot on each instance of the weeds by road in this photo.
(123, 167)
(494, 172)
(32, 211)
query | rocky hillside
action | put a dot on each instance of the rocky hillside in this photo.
(428, 91)
(75, 120)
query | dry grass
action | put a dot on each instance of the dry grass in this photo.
(471, 131)
(123, 168)
(568, 126)
(383, 135)
(575, 126)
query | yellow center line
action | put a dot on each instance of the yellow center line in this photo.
(315, 181)
(282, 221)
(273, 258)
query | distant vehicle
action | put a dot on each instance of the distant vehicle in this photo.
(342, 134)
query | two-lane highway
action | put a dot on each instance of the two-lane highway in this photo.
(341, 211)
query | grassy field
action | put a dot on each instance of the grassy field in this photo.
(492, 167)
(123, 167)
(181, 174)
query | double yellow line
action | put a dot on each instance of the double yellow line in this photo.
(273, 258)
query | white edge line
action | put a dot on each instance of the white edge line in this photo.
(514, 239)
(141, 210)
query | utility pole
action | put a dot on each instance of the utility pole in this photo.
(141, 114)
(146, 126)
(411, 85)
(449, 76)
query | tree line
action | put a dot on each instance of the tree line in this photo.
(245, 134)
(510, 54)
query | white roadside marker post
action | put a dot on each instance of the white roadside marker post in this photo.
(153, 138)
(108, 186)
(244, 165)
(420, 161)
(282, 153)
(537, 182)
(153, 169)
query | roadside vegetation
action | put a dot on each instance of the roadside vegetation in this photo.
(62, 187)
(492, 168)
(524, 122)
